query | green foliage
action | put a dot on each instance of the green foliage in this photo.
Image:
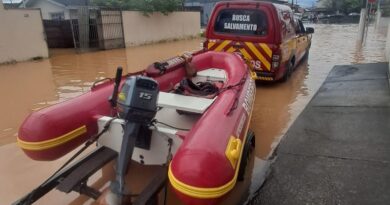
(351, 6)
(145, 6)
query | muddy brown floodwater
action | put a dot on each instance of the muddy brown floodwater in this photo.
(27, 86)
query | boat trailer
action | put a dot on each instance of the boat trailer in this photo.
(75, 178)
(137, 116)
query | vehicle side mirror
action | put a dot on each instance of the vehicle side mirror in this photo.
(309, 30)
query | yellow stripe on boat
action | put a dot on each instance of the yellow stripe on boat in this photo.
(200, 192)
(47, 144)
(214, 192)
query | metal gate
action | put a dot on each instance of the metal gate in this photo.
(111, 29)
(96, 29)
(58, 33)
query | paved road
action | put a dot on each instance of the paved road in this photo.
(338, 150)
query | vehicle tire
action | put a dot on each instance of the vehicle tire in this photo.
(307, 52)
(288, 72)
(248, 147)
(306, 56)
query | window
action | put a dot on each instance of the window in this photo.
(242, 22)
(57, 16)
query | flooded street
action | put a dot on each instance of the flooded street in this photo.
(28, 86)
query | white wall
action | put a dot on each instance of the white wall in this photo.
(139, 29)
(388, 49)
(1, 5)
(48, 7)
(388, 44)
(22, 35)
(383, 22)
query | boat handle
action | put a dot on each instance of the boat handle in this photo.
(100, 81)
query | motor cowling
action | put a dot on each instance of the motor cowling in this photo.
(137, 100)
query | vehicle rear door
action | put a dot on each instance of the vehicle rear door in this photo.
(246, 30)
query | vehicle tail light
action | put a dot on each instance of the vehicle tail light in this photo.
(276, 57)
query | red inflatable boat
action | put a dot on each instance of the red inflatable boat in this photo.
(206, 161)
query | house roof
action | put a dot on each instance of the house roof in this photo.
(73, 2)
(11, 5)
(64, 3)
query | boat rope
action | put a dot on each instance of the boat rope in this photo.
(162, 67)
(241, 82)
(169, 158)
(155, 121)
(236, 99)
(86, 145)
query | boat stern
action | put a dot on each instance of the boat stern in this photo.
(201, 178)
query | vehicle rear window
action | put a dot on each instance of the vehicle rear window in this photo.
(242, 22)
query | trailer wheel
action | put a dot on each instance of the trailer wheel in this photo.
(248, 147)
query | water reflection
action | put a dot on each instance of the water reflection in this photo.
(272, 110)
(23, 87)
(32, 85)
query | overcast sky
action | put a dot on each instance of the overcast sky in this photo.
(13, 1)
(304, 3)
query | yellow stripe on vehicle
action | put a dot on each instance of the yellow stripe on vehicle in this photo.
(214, 192)
(266, 49)
(222, 45)
(231, 50)
(47, 144)
(259, 55)
(265, 78)
(245, 54)
(210, 44)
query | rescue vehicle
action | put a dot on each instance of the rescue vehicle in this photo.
(266, 34)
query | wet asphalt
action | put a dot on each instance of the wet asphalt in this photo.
(338, 149)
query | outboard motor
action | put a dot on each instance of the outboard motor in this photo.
(137, 104)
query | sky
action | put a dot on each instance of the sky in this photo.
(303, 3)
(9, 1)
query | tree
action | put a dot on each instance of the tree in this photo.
(146, 6)
(350, 6)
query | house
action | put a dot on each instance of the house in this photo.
(11, 5)
(205, 8)
(56, 9)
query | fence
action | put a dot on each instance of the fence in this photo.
(111, 29)
(108, 29)
(96, 29)
(58, 33)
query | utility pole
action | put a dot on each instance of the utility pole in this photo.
(363, 20)
(378, 14)
(368, 18)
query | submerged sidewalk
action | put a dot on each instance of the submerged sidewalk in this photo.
(338, 150)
